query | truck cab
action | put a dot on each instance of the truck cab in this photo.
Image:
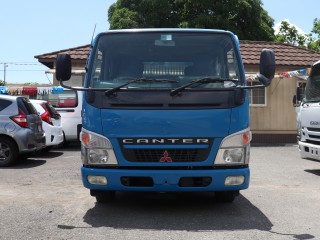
(166, 110)
(308, 112)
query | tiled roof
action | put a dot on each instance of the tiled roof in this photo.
(77, 54)
(286, 54)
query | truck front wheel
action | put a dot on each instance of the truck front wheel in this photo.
(226, 196)
(103, 196)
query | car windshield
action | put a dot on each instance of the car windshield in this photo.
(164, 60)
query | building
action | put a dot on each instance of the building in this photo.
(273, 117)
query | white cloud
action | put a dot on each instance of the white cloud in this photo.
(277, 27)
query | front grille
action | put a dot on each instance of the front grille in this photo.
(313, 129)
(313, 142)
(163, 155)
(314, 136)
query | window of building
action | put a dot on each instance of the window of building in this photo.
(257, 96)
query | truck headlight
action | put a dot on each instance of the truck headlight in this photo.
(233, 155)
(234, 149)
(98, 155)
(96, 149)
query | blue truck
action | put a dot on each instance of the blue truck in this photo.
(165, 110)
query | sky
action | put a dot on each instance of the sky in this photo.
(34, 27)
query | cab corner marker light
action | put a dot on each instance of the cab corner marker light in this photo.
(246, 138)
(97, 180)
(234, 180)
(85, 138)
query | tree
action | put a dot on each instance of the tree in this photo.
(1, 83)
(246, 18)
(314, 43)
(289, 34)
(124, 17)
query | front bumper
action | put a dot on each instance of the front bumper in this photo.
(165, 180)
(308, 150)
(54, 136)
(29, 141)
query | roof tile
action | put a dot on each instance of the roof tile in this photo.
(286, 54)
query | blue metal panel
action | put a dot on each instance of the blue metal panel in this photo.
(201, 146)
(166, 180)
(211, 123)
(165, 123)
(240, 117)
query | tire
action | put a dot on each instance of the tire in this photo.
(46, 149)
(226, 196)
(8, 152)
(103, 196)
(64, 143)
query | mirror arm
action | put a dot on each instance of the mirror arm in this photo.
(264, 80)
(66, 86)
(83, 88)
(251, 87)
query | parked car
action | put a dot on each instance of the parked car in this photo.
(68, 103)
(51, 122)
(20, 129)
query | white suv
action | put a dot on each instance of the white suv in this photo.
(51, 122)
(68, 103)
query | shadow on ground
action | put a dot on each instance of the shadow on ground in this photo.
(313, 171)
(181, 211)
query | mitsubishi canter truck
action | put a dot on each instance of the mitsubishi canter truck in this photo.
(165, 110)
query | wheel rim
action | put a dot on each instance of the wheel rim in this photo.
(5, 152)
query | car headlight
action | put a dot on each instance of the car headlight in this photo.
(234, 149)
(96, 149)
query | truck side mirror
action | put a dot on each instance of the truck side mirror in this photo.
(267, 67)
(294, 100)
(298, 93)
(297, 97)
(63, 67)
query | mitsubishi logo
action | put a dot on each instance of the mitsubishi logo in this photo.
(165, 157)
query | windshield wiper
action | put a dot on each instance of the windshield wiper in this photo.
(199, 81)
(139, 80)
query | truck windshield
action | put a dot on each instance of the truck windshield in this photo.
(168, 60)
(312, 91)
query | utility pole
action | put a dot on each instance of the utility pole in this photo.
(5, 65)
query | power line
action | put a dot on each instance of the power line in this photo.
(22, 63)
(48, 78)
(38, 70)
(22, 66)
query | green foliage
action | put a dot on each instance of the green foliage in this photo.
(314, 43)
(246, 18)
(125, 17)
(289, 34)
(1, 83)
